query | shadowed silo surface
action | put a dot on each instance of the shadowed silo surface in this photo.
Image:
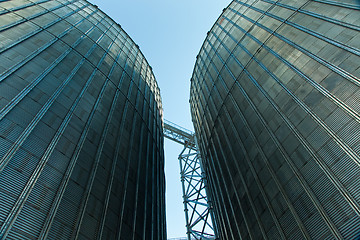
(275, 104)
(81, 142)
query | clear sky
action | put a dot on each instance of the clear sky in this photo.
(170, 34)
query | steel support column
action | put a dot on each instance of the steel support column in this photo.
(197, 208)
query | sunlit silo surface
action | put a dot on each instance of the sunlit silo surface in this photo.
(275, 102)
(81, 142)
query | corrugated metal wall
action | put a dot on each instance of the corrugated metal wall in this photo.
(81, 142)
(275, 103)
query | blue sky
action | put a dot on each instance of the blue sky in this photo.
(170, 34)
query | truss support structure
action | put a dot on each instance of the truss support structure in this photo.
(197, 207)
